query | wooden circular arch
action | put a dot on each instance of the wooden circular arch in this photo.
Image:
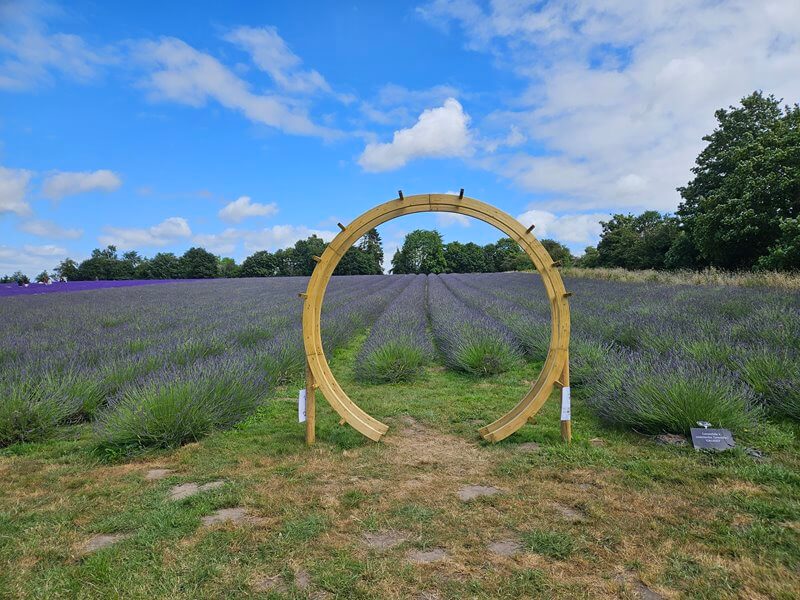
(555, 370)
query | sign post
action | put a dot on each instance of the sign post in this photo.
(311, 406)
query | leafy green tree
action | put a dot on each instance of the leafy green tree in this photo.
(198, 263)
(102, 264)
(422, 252)
(43, 277)
(465, 258)
(784, 255)
(20, 278)
(164, 265)
(506, 255)
(304, 251)
(372, 245)
(746, 182)
(67, 269)
(259, 264)
(637, 242)
(590, 258)
(682, 254)
(284, 261)
(558, 252)
(227, 267)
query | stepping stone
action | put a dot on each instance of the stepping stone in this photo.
(302, 579)
(156, 474)
(383, 540)
(570, 514)
(424, 557)
(101, 541)
(275, 583)
(529, 447)
(505, 548)
(470, 492)
(225, 515)
(642, 591)
(184, 490)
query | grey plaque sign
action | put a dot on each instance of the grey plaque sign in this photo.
(712, 439)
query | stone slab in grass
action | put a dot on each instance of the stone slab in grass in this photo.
(470, 492)
(505, 548)
(573, 515)
(104, 540)
(226, 515)
(424, 557)
(384, 539)
(530, 447)
(156, 474)
(185, 490)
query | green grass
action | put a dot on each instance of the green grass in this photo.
(687, 523)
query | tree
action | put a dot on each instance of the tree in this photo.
(304, 251)
(506, 255)
(284, 261)
(590, 258)
(260, 264)
(746, 182)
(637, 242)
(422, 252)
(43, 277)
(20, 278)
(198, 263)
(103, 264)
(227, 267)
(465, 258)
(164, 265)
(67, 270)
(372, 245)
(784, 255)
(558, 252)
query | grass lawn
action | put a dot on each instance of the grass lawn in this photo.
(611, 515)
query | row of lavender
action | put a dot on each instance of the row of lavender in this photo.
(659, 358)
(647, 357)
(162, 365)
(199, 356)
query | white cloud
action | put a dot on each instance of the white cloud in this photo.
(445, 219)
(49, 229)
(31, 263)
(438, 133)
(63, 184)
(219, 243)
(13, 189)
(574, 230)
(29, 54)
(620, 93)
(282, 236)
(167, 232)
(46, 250)
(243, 207)
(271, 54)
(185, 75)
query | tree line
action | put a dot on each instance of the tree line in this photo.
(741, 210)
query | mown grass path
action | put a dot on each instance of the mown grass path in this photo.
(612, 515)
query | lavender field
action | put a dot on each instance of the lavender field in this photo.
(163, 365)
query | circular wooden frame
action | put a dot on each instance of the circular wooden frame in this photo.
(555, 370)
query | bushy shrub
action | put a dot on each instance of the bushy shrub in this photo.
(775, 378)
(180, 407)
(484, 355)
(31, 410)
(392, 362)
(652, 393)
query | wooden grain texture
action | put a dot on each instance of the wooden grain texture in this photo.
(557, 356)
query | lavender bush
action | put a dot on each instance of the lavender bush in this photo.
(468, 339)
(398, 346)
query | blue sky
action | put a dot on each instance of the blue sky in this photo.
(236, 126)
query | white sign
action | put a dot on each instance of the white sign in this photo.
(566, 408)
(301, 407)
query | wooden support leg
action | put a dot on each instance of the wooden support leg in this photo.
(311, 407)
(566, 406)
